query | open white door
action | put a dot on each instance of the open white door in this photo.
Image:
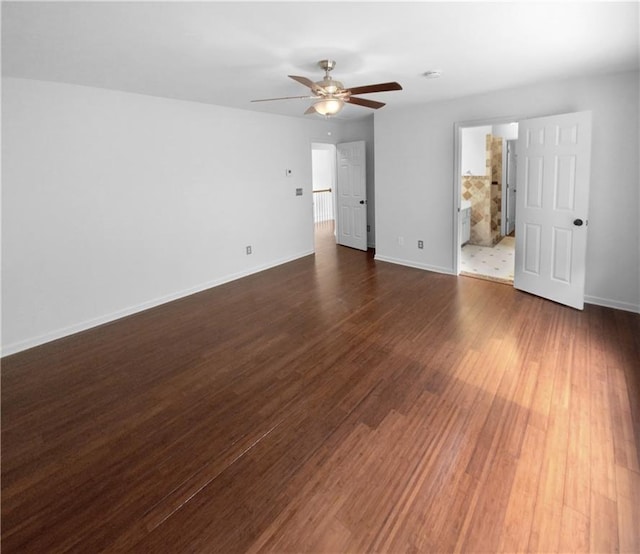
(351, 219)
(554, 161)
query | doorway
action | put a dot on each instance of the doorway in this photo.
(486, 215)
(553, 170)
(339, 188)
(323, 179)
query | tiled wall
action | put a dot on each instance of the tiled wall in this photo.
(485, 194)
(476, 189)
(494, 157)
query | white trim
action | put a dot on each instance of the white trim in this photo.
(417, 265)
(607, 303)
(457, 193)
(615, 304)
(503, 190)
(89, 324)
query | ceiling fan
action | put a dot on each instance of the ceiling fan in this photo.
(330, 95)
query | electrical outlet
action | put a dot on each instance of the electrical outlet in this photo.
(401, 241)
(299, 192)
(420, 244)
(248, 250)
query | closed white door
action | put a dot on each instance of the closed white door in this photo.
(553, 171)
(351, 220)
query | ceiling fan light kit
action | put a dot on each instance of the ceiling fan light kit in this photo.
(330, 95)
(328, 106)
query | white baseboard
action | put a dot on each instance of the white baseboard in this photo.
(615, 304)
(607, 303)
(94, 322)
(107, 318)
(417, 265)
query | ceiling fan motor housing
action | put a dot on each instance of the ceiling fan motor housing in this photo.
(327, 65)
(330, 85)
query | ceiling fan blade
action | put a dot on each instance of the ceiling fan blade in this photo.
(307, 83)
(309, 110)
(282, 98)
(366, 103)
(381, 87)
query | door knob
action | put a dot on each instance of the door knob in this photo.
(362, 202)
(577, 222)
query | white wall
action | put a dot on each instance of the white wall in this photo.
(473, 157)
(114, 202)
(323, 166)
(507, 131)
(415, 166)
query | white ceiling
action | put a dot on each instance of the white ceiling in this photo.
(228, 53)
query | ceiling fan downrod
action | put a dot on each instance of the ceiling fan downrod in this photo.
(327, 65)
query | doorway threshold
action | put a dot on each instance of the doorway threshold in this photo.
(501, 280)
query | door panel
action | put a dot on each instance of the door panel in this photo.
(533, 181)
(554, 169)
(352, 195)
(532, 249)
(561, 244)
(565, 183)
(345, 227)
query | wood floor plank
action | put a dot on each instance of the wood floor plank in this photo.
(625, 451)
(331, 404)
(546, 530)
(575, 531)
(603, 479)
(603, 531)
(578, 468)
(516, 528)
(628, 500)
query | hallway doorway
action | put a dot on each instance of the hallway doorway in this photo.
(323, 174)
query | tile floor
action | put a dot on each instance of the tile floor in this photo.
(494, 263)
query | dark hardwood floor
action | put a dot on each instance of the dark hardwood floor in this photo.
(332, 404)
